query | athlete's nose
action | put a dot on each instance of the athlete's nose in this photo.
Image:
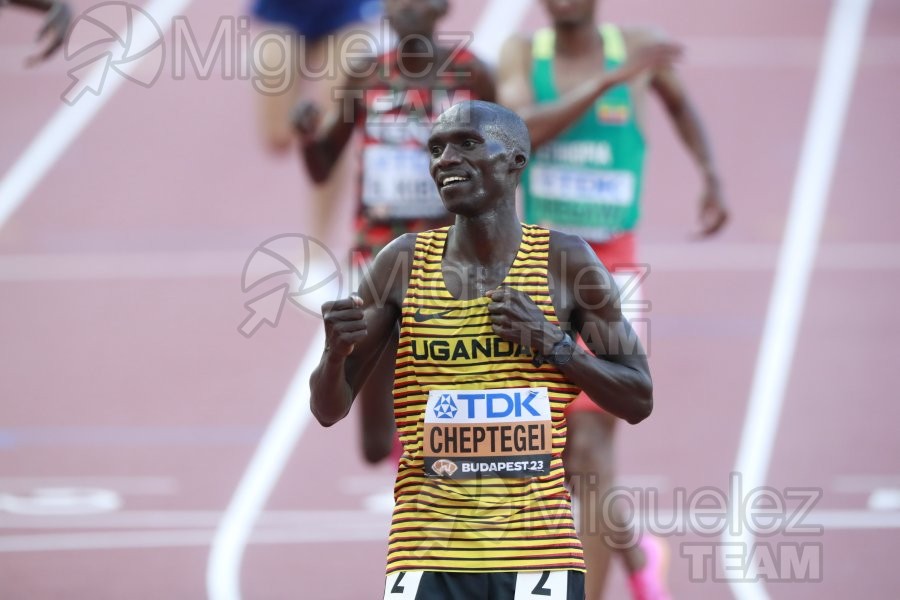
(449, 157)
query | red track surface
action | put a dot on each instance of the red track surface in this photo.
(135, 380)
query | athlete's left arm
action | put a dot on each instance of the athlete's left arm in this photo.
(671, 90)
(614, 373)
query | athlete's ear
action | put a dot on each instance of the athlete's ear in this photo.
(441, 7)
(519, 161)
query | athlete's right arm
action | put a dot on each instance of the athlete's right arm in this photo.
(357, 329)
(548, 119)
(321, 144)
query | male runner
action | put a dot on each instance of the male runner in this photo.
(485, 369)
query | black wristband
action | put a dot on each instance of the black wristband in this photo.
(560, 354)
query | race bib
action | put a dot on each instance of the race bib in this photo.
(569, 184)
(398, 184)
(482, 433)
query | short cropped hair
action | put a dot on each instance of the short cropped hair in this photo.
(500, 122)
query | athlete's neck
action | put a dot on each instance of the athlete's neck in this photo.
(578, 39)
(488, 240)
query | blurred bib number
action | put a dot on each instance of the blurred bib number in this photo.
(398, 184)
(588, 186)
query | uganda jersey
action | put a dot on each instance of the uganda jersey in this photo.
(480, 485)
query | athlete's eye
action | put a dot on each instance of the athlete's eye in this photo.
(468, 144)
(436, 151)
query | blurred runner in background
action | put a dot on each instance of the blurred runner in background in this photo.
(581, 89)
(393, 100)
(304, 56)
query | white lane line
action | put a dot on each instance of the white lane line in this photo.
(234, 531)
(195, 528)
(499, 20)
(844, 38)
(69, 121)
(162, 539)
(884, 499)
(123, 485)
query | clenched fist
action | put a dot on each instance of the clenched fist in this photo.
(345, 325)
(516, 318)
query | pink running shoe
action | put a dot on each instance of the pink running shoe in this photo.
(649, 583)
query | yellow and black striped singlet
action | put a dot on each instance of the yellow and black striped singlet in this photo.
(486, 523)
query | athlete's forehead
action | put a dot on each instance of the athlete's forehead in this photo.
(463, 119)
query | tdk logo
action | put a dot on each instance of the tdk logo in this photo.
(488, 405)
(445, 407)
(500, 404)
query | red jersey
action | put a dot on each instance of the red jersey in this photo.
(396, 192)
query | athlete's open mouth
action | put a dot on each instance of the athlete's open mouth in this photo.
(449, 180)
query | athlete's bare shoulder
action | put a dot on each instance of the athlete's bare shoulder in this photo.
(578, 278)
(402, 245)
(388, 277)
(569, 250)
(405, 242)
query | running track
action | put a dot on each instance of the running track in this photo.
(131, 407)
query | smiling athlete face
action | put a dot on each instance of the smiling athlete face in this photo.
(470, 165)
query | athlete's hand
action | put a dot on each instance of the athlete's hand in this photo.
(516, 318)
(55, 27)
(306, 117)
(650, 58)
(345, 325)
(713, 212)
